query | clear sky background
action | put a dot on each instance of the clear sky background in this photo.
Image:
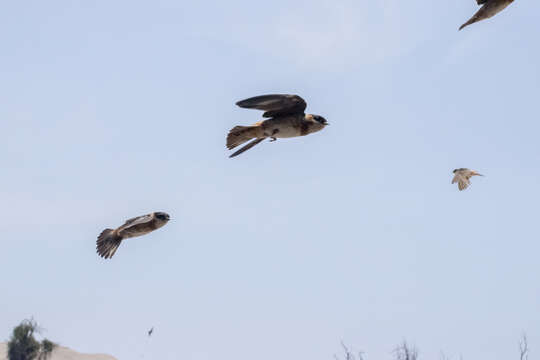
(114, 109)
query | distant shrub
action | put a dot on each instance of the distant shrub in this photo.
(23, 345)
(47, 347)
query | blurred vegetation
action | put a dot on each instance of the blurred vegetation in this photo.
(404, 351)
(23, 345)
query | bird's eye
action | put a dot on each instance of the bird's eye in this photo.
(321, 119)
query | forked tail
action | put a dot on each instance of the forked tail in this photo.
(247, 147)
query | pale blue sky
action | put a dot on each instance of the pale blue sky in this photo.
(113, 109)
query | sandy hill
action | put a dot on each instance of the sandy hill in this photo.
(62, 353)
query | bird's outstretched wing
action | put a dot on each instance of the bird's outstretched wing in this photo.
(481, 2)
(275, 105)
(463, 184)
(462, 181)
(136, 221)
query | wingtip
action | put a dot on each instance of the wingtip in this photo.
(241, 103)
(469, 22)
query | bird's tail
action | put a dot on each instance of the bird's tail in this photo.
(247, 147)
(107, 243)
(240, 134)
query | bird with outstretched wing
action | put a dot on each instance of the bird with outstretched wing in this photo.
(109, 240)
(285, 118)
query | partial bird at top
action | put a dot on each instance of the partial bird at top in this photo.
(462, 176)
(286, 119)
(489, 8)
(109, 240)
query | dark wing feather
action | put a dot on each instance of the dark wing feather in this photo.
(275, 105)
(136, 221)
(480, 2)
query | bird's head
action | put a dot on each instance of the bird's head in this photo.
(320, 120)
(317, 123)
(162, 216)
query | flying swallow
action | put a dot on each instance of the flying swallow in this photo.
(462, 176)
(150, 331)
(285, 119)
(109, 240)
(489, 8)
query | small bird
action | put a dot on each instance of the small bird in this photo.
(286, 118)
(462, 176)
(109, 240)
(150, 331)
(489, 8)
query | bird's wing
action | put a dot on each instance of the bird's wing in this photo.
(136, 221)
(463, 184)
(275, 105)
(481, 2)
(247, 147)
(476, 17)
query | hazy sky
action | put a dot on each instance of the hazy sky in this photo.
(113, 109)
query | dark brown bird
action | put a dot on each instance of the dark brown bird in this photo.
(286, 119)
(489, 8)
(109, 240)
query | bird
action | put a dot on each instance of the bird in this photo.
(489, 8)
(109, 240)
(462, 176)
(150, 331)
(285, 118)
